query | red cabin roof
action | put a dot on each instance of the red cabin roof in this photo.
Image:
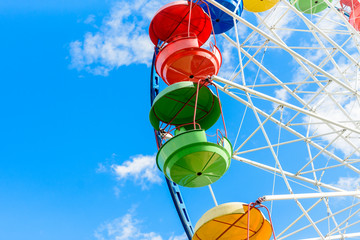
(172, 20)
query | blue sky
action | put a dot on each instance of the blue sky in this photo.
(62, 130)
(77, 155)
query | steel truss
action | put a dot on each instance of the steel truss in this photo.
(316, 112)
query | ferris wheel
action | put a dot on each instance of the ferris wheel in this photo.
(290, 81)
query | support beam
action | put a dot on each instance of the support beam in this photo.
(283, 103)
(342, 236)
(288, 174)
(309, 195)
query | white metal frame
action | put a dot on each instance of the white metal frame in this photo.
(305, 102)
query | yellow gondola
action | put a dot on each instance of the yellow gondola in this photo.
(230, 221)
(259, 5)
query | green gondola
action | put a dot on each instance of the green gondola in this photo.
(189, 160)
(310, 6)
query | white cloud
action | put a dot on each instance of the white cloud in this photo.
(121, 40)
(101, 168)
(280, 18)
(230, 59)
(142, 169)
(181, 237)
(281, 94)
(128, 228)
(117, 191)
(90, 19)
(124, 228)
(348, 183)
(330, 110)
(335, 107)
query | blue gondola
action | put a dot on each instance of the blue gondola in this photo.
(222, 21)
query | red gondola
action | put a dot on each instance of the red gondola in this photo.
(172, 20)
(354, 18)
(349, 3)
(184, 60)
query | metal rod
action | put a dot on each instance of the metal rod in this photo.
(283, 103)
(342, 236)
(309, 195)
(213, 195)
(289, 174)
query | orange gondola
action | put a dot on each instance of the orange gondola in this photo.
(184, 60)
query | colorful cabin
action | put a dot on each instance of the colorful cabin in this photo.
(184, 60)
(352, 4)
(229, 221)
(176, 104)
(354, 18)
(172, 20)
(222, 21)
(310, 6)
(259, 5)
(189, 160)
